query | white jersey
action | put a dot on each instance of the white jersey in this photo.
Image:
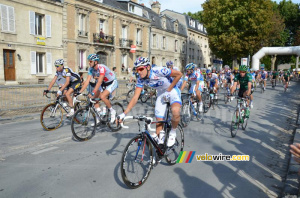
(159, 79)
(67, 72)
(101, 69)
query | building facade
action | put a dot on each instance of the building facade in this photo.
(197, 45)
(31, 39)
(108, 28)
(167, 38)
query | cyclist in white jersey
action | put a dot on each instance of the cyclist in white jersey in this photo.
(158, 78)
(72, 83)
(228, 78)
(170, 65)
(105, 85)
(197, 82)
(263, 75)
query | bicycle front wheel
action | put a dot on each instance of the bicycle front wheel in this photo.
(83, 124)
(51, 116)
(172, 153)
(244, 125)
(129, 95)
(137, 161)
(235, 123)
(200, 114)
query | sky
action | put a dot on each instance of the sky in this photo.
(182, 6)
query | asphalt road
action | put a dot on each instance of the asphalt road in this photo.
(38, 163)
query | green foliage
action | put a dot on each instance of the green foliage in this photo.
(196, 15)
(237, 28)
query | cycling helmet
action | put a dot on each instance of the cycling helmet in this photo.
(59, 62)
(169, 63)
(214, 68)
(208, 71)
(235, 68)
(189, 66)
(93, 57)
(243, 68)
(226, 67)
(141, 61)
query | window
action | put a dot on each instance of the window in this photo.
(40, 63)
(176, 27)
(154, 41)
(124, 63)
(40, 24)
(183, 47)
(82, 22)
(82, 60)
(131, 8)
(8, 18)
(101, 25)
(164, 42)
(124, 32)
(176, 45)
(139, 37)
(164, 24)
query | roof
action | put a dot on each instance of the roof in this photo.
(157, 22)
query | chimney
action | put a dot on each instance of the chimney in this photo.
(156, 7)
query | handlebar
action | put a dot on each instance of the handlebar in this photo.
(51, 92)
(148, 120)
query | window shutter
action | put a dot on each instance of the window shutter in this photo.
(4, 18)
(32, 22)
(48, 26)
(49, 63)
(157, 37)
(162, 42)
(11, 19)
(33, 62)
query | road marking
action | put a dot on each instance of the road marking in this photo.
(44, 150)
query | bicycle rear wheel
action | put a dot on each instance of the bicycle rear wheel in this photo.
(137, 161)
(81, 124)
(119, 110)
(235, 123)
(244, 125)
(186, 114)
(145, 96)
(200, 114)
(172, 153)
(207, 103)
(51, 116)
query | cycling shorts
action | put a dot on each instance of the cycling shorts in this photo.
(111, 87)
(193, 87)
(161, 105)
(74, 85)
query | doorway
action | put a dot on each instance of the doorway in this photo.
(9, 65)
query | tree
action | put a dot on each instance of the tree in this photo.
(237, 28)
(297, 38)
(197, 15)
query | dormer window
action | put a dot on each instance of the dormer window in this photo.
(100, 1)
(164, 24)
(131, 8)
(176, 27)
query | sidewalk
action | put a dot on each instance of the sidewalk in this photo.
(292, 185)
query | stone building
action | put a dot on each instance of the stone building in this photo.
(31, 39)
(167, 38)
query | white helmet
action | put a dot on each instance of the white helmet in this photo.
(59, 62)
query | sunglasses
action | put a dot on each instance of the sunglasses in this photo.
(140, 69)
(58, 65)
(91, 61)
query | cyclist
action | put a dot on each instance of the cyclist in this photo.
(159, 79)
(263, 75)
(273, 76)
(228, 78)
(72, 83)
(197, 82)
(170, 65)
(105, 85)
(286, 79)
(245, 80)
(212, 82)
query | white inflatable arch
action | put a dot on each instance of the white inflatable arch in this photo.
(274, 51)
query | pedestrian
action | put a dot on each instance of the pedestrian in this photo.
(123, 67)
(101, 34)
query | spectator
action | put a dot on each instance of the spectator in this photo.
(123, 68)
(101, 34)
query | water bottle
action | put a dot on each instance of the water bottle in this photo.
(143, 91)
(195, 105)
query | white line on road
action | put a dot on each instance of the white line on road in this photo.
(44, 150)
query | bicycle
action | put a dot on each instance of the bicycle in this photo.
(273, 83)
(131, 92)
(52, 114)
(239, 116)
(206, 98)
(261, 84)
(190, 108)
(138, 158)
(83, 124)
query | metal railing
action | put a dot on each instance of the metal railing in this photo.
(125, 42)
(20, 100)
(107, 39)
(139, 43)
